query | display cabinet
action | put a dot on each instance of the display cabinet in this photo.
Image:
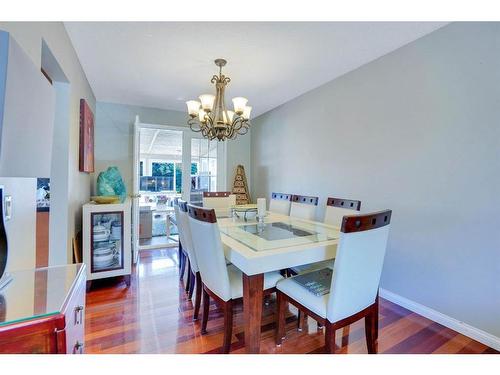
(106, 241)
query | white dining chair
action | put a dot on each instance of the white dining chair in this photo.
(353, 293)
(183, 255)
(194, 279)
(304, 207)
(280, 203)
(336, 209)
(220, 201)
(221, 282)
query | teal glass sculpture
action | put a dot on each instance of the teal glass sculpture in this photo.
(110, 182)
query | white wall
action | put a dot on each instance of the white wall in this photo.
(29, 36)
(416, 131)
(238, 152)
(114, 138)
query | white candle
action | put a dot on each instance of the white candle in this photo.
(261, 207)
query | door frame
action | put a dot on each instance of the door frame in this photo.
(187, 136)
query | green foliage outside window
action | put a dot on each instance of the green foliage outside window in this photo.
(167, 170)
(162, 169)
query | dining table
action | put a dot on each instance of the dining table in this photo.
(276, 243)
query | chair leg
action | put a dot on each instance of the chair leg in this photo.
(182, 262)
(345, 336)
(192, 279)
(280, 318)
(301, 321)
(197, 298)
(375, 313)
(228, 326)
(188, 282)
(370, 332)
(206, 307)
(180, 254)
(329, 338)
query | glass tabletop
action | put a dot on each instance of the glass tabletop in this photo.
(284, 232)
(36, 293)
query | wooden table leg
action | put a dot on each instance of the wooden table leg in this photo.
(252, 309)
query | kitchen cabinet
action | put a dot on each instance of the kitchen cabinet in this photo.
(145, 222)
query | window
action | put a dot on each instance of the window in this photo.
(203, 165)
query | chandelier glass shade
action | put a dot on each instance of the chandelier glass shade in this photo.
(210, 116)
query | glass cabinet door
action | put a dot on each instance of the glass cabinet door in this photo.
(106, 250)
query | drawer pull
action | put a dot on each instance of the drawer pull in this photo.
(78, 315)
(78, 348)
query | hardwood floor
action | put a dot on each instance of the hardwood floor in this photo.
(154, 316)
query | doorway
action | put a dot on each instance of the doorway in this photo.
(170, 162)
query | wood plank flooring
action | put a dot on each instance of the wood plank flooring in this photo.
(155, 316)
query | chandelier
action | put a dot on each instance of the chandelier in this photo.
(210, 116)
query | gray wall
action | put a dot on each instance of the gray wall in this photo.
(29, 36)
(417, 131)
(4, 56)
(114, 138)
(28, 118)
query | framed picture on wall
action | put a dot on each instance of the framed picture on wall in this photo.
(86, 138)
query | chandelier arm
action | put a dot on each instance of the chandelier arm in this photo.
(210, 132)
(234, 134)
(243, 131)
(204, 131)
(229, 132)
(237, 123)
(207, 126)
(195, 125)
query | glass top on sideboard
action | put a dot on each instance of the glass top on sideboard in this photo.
(36, 293)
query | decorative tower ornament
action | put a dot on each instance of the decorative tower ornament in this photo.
(240, 186)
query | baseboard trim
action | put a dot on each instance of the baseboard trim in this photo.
(447, 321)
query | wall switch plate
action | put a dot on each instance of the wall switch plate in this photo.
(8, 207)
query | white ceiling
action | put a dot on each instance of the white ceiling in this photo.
(161, 142)
(163, 64)
(168, 143)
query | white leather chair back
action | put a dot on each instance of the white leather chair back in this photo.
(280, 203)
(185, 233)
(209, 251)
(337, 208)
(304, 207)
(220, 201)
(358, 264)
(179, 224)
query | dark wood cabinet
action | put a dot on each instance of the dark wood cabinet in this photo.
(48, 330)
